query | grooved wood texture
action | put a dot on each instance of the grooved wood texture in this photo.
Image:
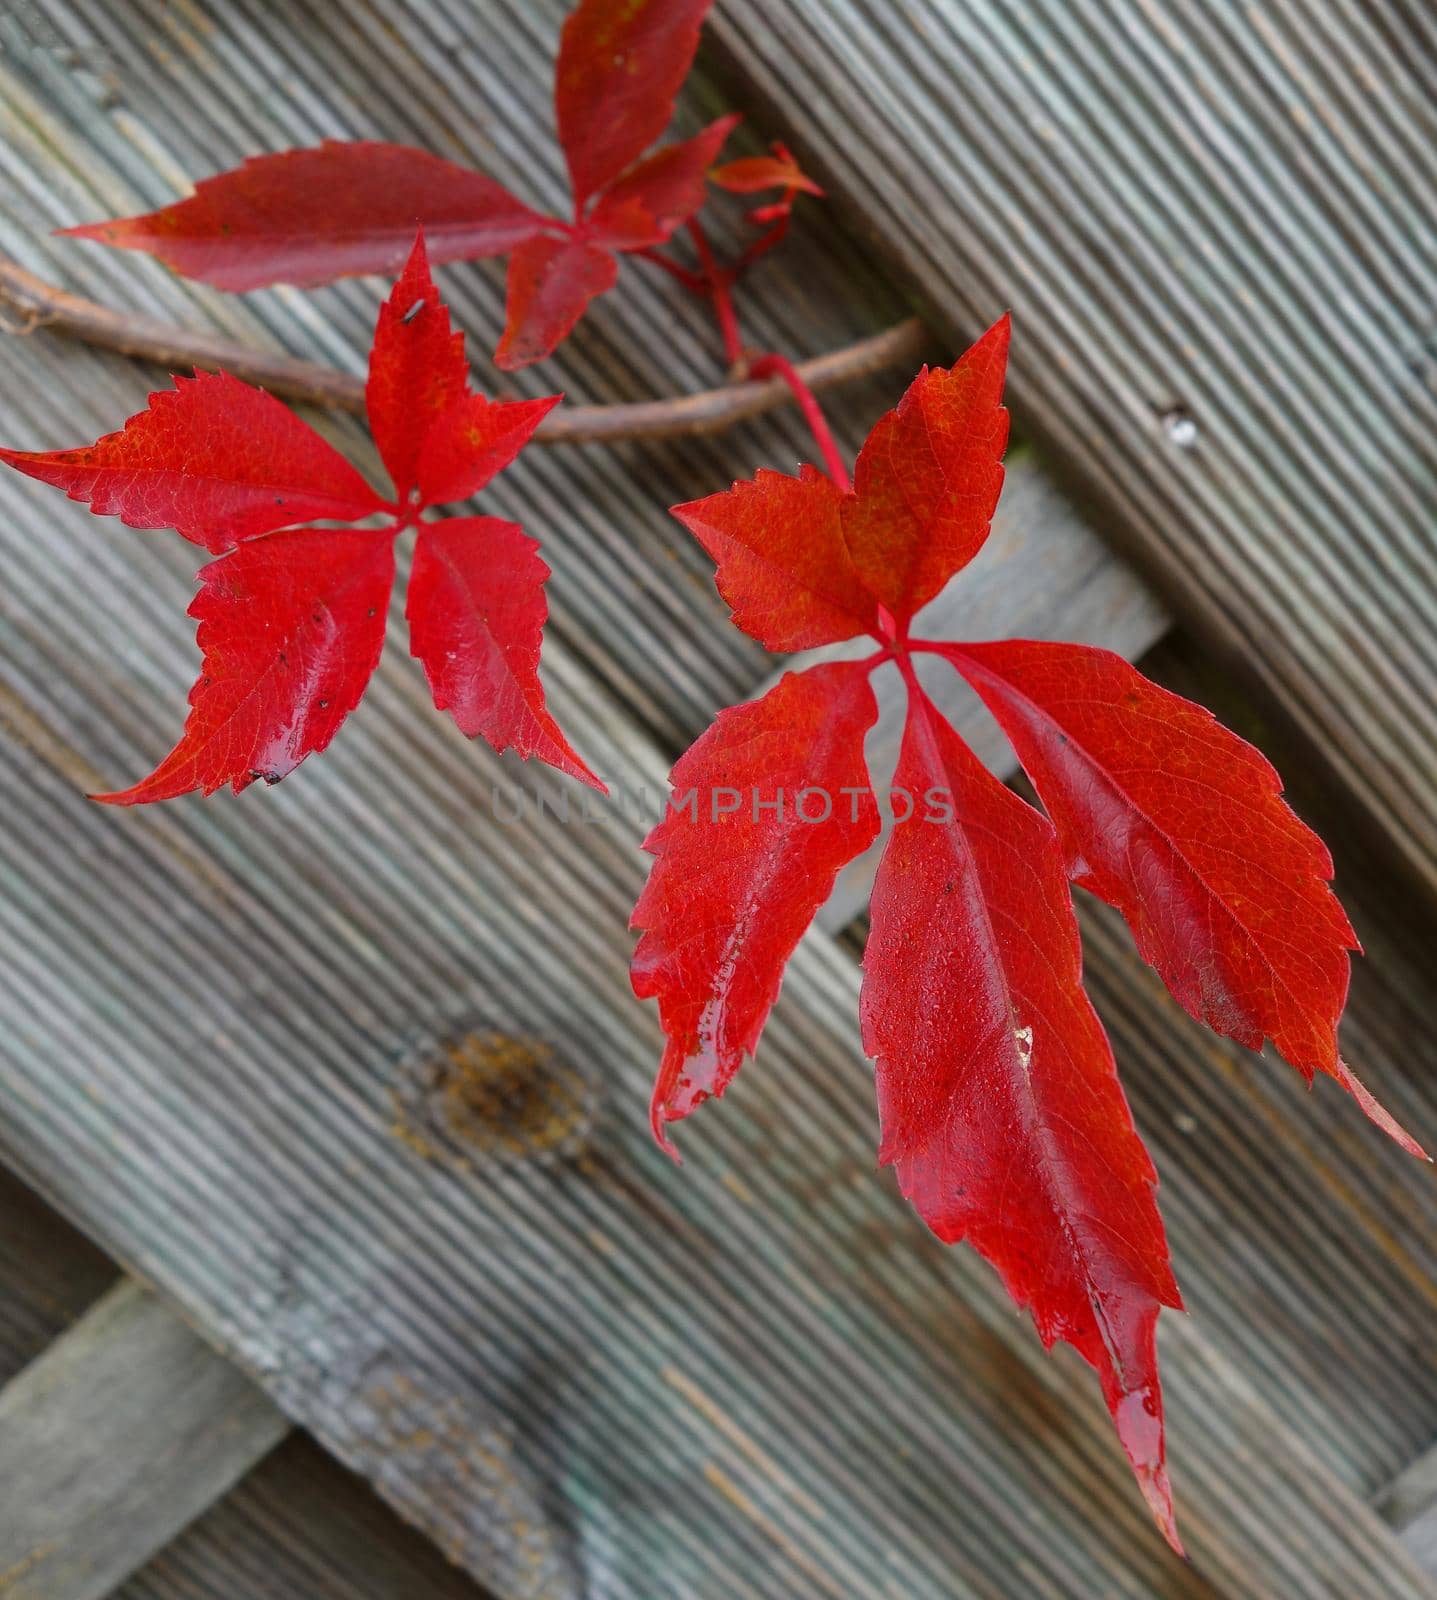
(351, 1068)
(112, 1441)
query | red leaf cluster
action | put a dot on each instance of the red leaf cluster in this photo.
(309, 216)
(291, 617)
(999, 1101)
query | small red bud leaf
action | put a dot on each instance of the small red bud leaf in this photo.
(310, 216)
(779, 804)
(476, 612)
(551, 282)
(662, 192)
(756, 174)
(1181, 825)
(621, 62)
(783, 566)
(417, 370)
(998, 1095)
(290, 629)
(212, 458)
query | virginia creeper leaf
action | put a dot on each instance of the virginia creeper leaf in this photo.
(1181, 825)
(551, 282)
(783, 565)
(214, 459)
(291, 623)
(290, 629)
(738, 877)
(998, 1095)
(417, 370)
(621, 62)
(473, 440)
(476, 612)
(663, 191)
(928, 477)
(309, 216)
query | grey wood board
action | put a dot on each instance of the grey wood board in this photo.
(225, 1054)
(223, 1011)
(112, 1441)
(297, 1524)
(300, 1528)
(1217, 229)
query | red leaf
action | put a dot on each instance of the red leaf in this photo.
(755, 174)
(417, 370)
(290, 627)
(212, 458)
(621, 62)
(476, 612)
(998, 1095)
(1181, 825)
(472, 441)
(651, 200)
(729, 895)
(551, 282)
(928, 477)
(783, 566)
(309, 216)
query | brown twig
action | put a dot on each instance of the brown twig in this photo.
(39, 304)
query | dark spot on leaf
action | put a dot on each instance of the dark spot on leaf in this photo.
(948, 887)
(324, 705)
(370, 612)
(413, 311)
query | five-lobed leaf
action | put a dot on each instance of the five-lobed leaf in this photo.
(999, 1100)
(1181, 825)
(739, 875)
(291, 622)
(998, 1095)
(213, 459)
(309, 216)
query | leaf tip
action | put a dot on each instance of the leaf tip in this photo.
(1377, 1112)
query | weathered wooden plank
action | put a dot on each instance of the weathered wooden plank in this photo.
(1217, 228)
(297, 1524)
(588, 1373)
(300, 1528)
(112, 1441)
(527, 1332)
